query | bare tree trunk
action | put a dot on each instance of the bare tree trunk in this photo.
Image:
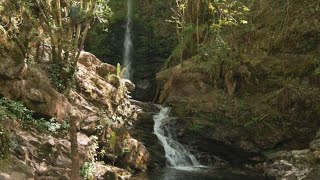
(197, 22)
(84, 36)
(75, 167)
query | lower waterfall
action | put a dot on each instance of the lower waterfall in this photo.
(176, 154)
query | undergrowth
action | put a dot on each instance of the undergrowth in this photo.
(16, 110)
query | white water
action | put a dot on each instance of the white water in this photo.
(128, 43)
(176, 154)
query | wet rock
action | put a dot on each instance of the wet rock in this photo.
(143, 84)
(141, 132)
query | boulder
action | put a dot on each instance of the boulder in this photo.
(315, 145)
(293, 165)
(136, 155)
(88, 60)
(13, 65)
(110, 173)
(129, 85)
(180, 85)
(105, 69)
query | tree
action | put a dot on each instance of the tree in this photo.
(198, 2)
(179, 18)
(64, 23)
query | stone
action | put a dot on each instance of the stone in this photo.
(143, 84)
(13, 65)
(96, 93)
(110, 173)
(105, 69)
(129, 85)
(37, 93)
(278, 155)
(314, 174)
(300, 152)
(88, 60)
(137, 155)
(318, 134)
(315, 145)
(17, 170)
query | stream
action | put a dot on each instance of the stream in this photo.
(182, 164)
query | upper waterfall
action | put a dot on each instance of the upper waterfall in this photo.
(127, 53)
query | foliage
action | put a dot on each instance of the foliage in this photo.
(179, 18)
(4, 143)
(112, 145)
(226, 13)
(16, 110)
(118, 69)
(214, 58)
(317, 64)
(53, 126)
(87, 170)
(61, 75)
(64, 24)
(207, 20)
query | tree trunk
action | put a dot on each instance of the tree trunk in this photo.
(75, 167)
(197, 22)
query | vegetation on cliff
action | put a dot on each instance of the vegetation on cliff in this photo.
(253, 88)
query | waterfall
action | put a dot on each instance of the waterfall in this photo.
(176, 154)
(128, 43)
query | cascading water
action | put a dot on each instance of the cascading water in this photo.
(177, 155)
(128, 43)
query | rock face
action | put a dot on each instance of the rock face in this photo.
(98, 90)
(100, 99)
(29, 85)
(49, 156)
(137, 156)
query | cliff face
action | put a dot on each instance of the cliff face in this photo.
(266, 100)
(99, 99)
